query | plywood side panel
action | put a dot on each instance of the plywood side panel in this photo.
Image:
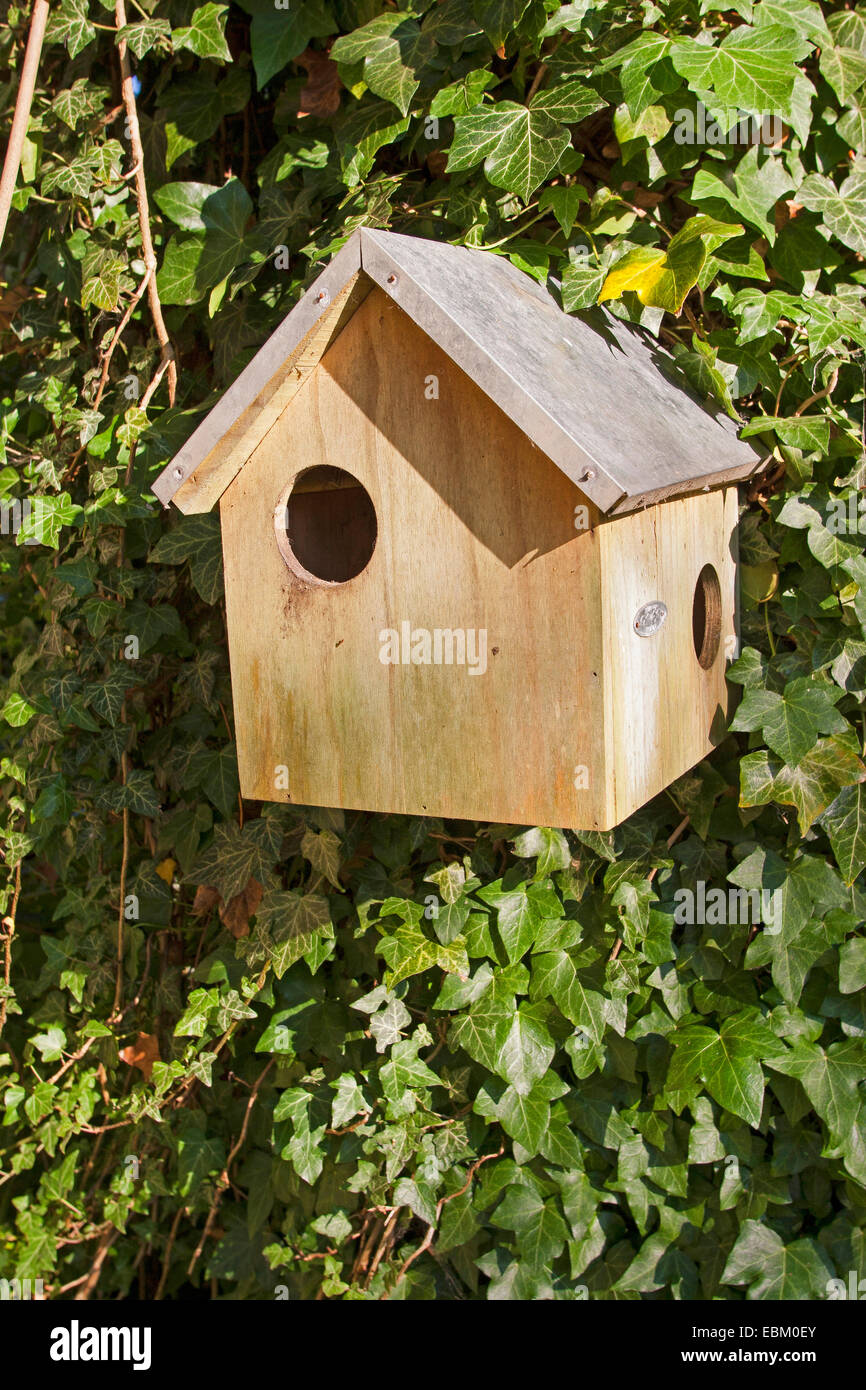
(476, 532)
(664, 712)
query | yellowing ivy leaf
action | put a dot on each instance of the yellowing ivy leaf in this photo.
(663, 277)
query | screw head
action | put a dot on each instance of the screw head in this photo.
(392, 279)
(178, 474)
(323, 297)
(649, 618)
(588, 475)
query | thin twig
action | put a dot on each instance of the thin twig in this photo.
(28, 570)
(431, 1230)
(797, 359)
(124, 861)
(140, 991)
(540, 74)
(155, 380)
(169, 1246)
(23, 103)
(541, 70)
(820, 395)
(148, 253)
(9, 932)
(388, 1236)
(118, 333)
(672, 839)
(92, 1279)
(224, 1178)
(366, 1245)
(692, 321)
(70, 1061)
(106, 361)
(177, 1097)
(74, 1284)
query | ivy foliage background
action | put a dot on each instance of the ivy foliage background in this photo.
(254, 1051)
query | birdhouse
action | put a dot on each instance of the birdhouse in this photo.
(480, 555)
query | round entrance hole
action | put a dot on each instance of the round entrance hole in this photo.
(326, 526)
(707, 617)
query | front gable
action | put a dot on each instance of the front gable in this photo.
(479, 536)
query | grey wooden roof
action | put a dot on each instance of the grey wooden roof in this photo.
(600, 398)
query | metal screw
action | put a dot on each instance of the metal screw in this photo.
(323, 297)
(392, 279)
(178, 473)
(588, 475)
(649, 618)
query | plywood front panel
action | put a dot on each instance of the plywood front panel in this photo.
(664, 712)
(476, 535)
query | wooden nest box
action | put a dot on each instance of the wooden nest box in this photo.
(479, 554)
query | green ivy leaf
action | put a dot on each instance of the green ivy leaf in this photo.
(366, 129)
(461, 97)
(830, 1077)
(751, 70)
(278, 35)
(498, 18)
(752, 192)
(408, 952)
(842, 209)
(17, 711)
(527, 1048)
(520, 913)
(810, 787)
(205, 33)
(145, 34)
(845, 823)
(548, 847)
(569, 102)
(197, 539)
(70, 24)
(791, 722)
(798, 432)
(852, 965)
(406, 1071)
(555, 975)
(525, 1117)
(322, 848)
(774, 1270)
(727, 1062)
(392, 49)
(519, 145)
